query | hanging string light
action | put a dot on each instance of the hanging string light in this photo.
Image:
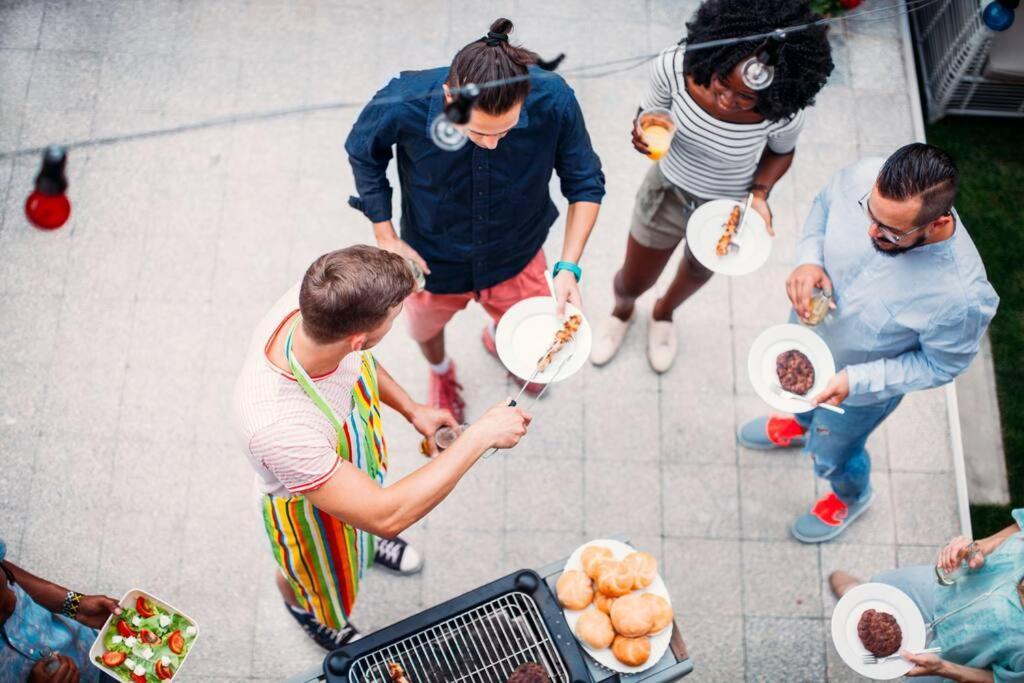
(758, 71)
(48, 206)
(998, 15)
(446, 130)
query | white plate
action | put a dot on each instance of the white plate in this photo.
(705, 228)
(527, 330)
(883, 598)
(659, 641)
(767, 347)
(128, 600)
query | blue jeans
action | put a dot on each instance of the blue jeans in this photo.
(836, 442)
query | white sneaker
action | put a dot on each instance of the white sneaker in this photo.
(662, 344)
(610, 333)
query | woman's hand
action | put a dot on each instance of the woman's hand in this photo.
(924, 665)
(66, 671)
(760, 204)
(427, 420)
(93, 610)
(639, 144)
(950, 556)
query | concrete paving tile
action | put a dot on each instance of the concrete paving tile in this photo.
(544, 494)
(251, 271)
(293, 650)
(703, 577)
(273, 81)
(715, 645)
(918, 435)
(704, 363)
(213, 545)
(793, 591)
(620, 501)
(760, 298)
(15, 72)
(692, 434)
(536, 549)
(230, 331)
(784, 649)
(167, 336)
(910, 555)
(771, 498)
(74, 25)
(743, 338)
(204, 87)
(64, 484)
(833, 111)
(477, 502)
(227, 487)
(469, 560)
(788, 223)
(860, 560)
(177, 270)
(61, 96)
(32, 322)
(700, 501)
(20, 23)
(131, 95)
(880, 112)
(875, 60)
(23, 398)
(925, 506)
(101, 265)
(48, 553)
(35, 261)
(214, 421)
(143, 28)
(221, 656)
(840, 76)
(816, 163)
(159, 404)
(18, 449)
(385, 598)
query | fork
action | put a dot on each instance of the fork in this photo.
(872, 659)
(789, 394)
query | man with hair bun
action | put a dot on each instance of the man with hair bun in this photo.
(308, 413)
(475, 219)
(911, 303)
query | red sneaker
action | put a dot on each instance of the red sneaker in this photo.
(443, 390)
(769, 433)
(532, 388)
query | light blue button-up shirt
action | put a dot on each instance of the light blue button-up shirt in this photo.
(902, 323)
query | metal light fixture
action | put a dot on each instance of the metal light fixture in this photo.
(444, 130)
(758, 71)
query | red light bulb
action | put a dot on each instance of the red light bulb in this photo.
(48, 207)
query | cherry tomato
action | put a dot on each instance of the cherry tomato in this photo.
(164, 673)
(144, 607)
(113, 659)
(125, 630)
(148, 637)
(137, 678)
(176, 642)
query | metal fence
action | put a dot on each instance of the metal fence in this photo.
(953, 47)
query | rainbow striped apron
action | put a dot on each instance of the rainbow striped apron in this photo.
(322, 557)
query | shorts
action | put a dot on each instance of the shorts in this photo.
(426, 314)
(661, 211)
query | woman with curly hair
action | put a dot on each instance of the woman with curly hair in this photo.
(730, 140)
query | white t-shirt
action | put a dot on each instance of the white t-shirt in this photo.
(710, 158)
(289, 443)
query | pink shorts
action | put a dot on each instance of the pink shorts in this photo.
(426, 314)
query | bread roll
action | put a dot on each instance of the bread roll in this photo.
(661, 612)
(592, 557)
(631, 616)
(574, 589)
(644, 566)
(603, 602)
(595, 629)
(631, 651)
(615, 579)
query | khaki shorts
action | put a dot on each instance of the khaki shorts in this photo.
(661, 211)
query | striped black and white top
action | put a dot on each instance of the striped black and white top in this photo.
(711, 158)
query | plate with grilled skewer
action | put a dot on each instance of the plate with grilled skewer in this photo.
(530, 333)
(750, 246)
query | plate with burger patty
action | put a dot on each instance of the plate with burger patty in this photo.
(879, 619)
(792, 358)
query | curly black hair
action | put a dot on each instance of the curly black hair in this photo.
(805, 57)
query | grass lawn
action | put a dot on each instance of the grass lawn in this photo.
(990, 155)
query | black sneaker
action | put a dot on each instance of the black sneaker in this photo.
(324, 636)
(398, 556)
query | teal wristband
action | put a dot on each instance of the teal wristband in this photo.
(576, 271)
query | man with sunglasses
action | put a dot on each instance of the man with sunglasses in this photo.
(910, 304)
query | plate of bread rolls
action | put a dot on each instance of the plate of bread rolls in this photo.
(616, 604)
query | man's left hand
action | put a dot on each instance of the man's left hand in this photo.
(427, 420)
(761, 206)
(567, 289)
(836, 391)
(93, 610)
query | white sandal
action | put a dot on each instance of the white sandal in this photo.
(662, 344)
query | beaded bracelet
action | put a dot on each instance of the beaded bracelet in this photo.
(71, 602)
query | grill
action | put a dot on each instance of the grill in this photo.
(484, 644)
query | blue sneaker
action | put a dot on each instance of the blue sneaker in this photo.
(829, 517)
(769, 433)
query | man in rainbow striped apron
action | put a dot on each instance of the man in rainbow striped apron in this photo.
(308, 413)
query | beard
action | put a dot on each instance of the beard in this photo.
(894, 250)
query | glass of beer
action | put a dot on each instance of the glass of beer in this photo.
(657, 129)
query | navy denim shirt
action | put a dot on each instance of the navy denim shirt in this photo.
(476, 215)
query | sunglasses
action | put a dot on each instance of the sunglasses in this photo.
(890, 233)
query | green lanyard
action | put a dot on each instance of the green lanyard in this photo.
(302, 377)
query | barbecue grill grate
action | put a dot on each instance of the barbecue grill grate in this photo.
(484, 645)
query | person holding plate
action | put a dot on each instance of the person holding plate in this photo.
(978, 619)
(46, 630)
(730, 140)
(308, 413)
(911, 302)
(475, 218)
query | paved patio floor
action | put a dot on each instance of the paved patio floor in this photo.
(123, 332)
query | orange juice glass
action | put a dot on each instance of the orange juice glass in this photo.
(657, 130)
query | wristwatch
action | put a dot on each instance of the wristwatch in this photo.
(576, 271)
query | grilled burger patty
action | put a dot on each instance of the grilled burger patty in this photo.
(879, 632)
(531, 672)
(795, 372)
